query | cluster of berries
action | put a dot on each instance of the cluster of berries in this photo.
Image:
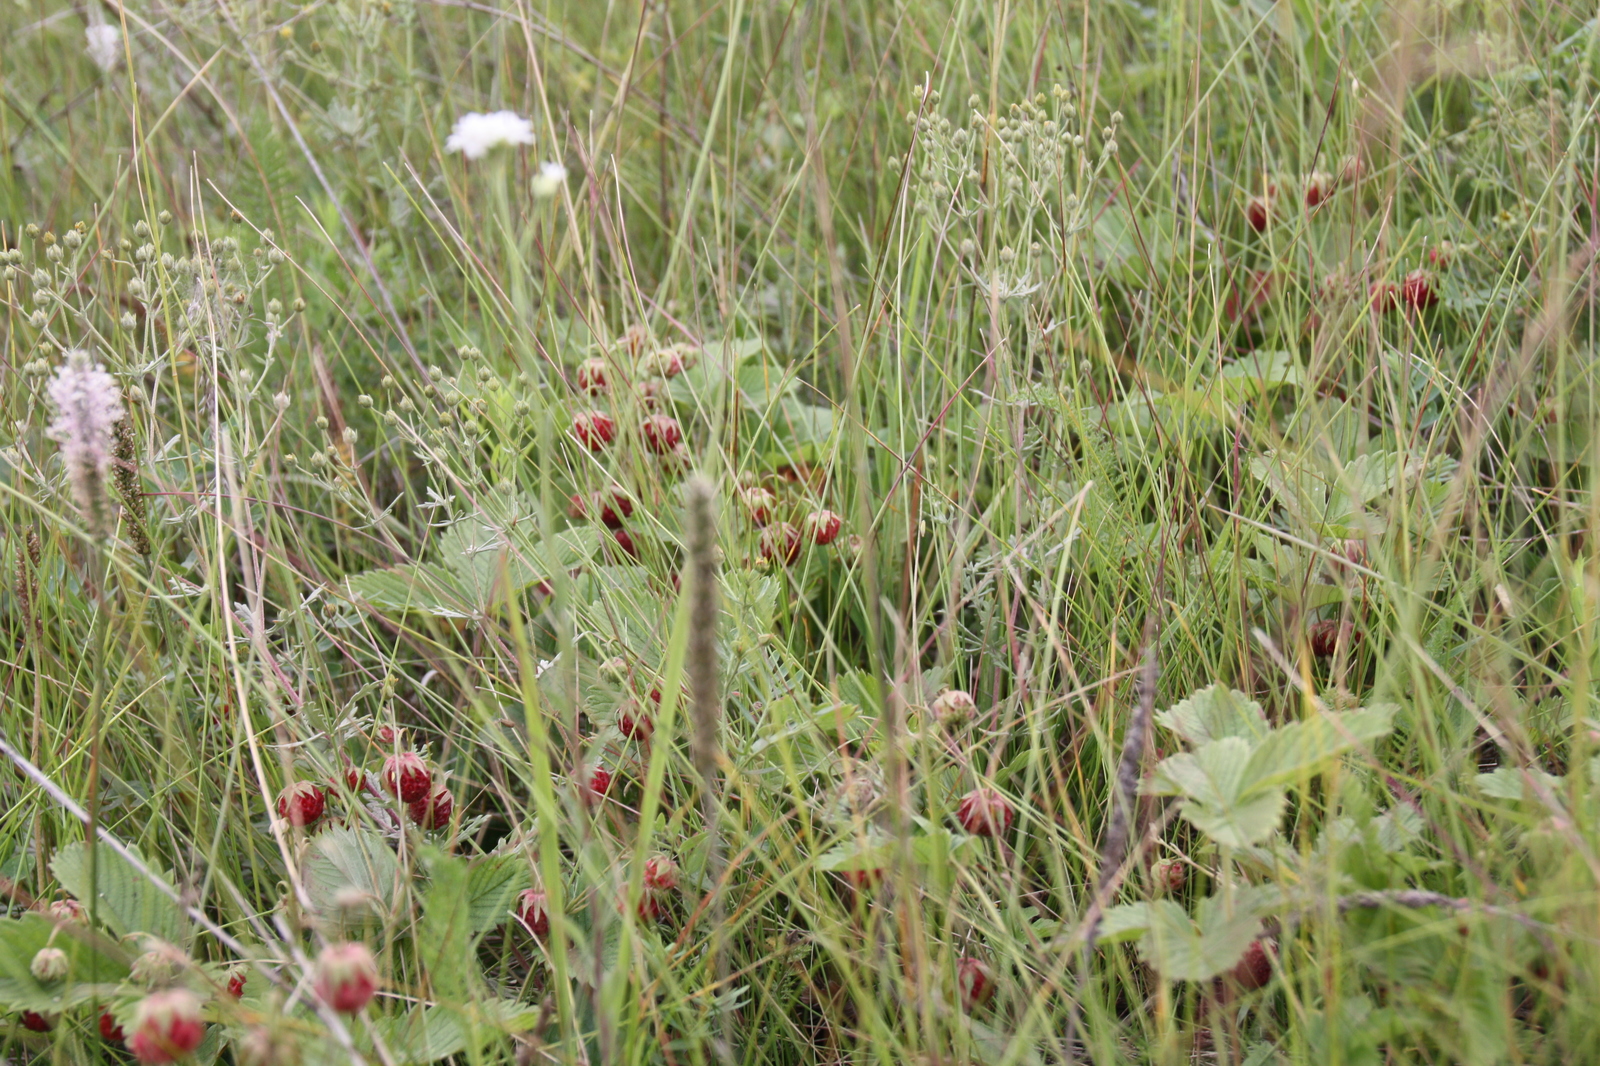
(404, 776)
(1315, 189)
(784, 541)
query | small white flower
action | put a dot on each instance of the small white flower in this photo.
(104, 44)
(549, 180)
(475, 134)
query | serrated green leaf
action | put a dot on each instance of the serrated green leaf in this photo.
(1181, 949)
(1298, 749)
(1215, 712)
(356, 859)
(413, 587)
(1510, 783)
(1124, 922)
(492, 888)
(444, 934)
(1240, 822)
(129, 903)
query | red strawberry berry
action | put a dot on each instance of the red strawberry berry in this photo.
(592, 376)
(633, 723)
(533, 912)
(433, 810)
(984, 812)
(661, 433)
(758, 504)
(346, 976)
(781, 542)
(110, 1031)
(652, 908)
(823, 526)
(1318, 187)
(975, 983)
(1168, 875)
(166, 1026)
(1417, 290)
(594, 429)
(1325, 636)
(614, 505)
(862, 880)
(1385, 296)
(1258, 213)
(577, 507)
(1254, 970)
(1441, 255)
(625, 541)
(302, 804)
(385, 735)
(236, 978)
(406, 776)
(660, 874)
(35, 1022)
(353, 778)
(596, 783)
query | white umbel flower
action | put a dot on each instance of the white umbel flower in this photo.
(475, 134)
(549, 180)
(88, 404)
(104, 45)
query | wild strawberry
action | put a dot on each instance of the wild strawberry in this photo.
(1350, 169)
(974, 982)
(758, 503)
(406, 776)
(1324, 637)
(660, 874)
(862, 880)
(823, 526)
(1254, 970)
(614, 505)
(35, 1022)
(661, 433)
(353, 778)
(1248, 297)
(625, 541)
(651, 908)
(781, 542)
(236, 979)
(592, 376)
(668, 362)
(633, 723)
(1168, 875)
(68, 910)
(634, 338)
(110, 1031)
(301, 804)
(1441, 255)
(596, 782)
(594, 429)
(385, 735)
(953, 708)
(984, 812)
(433, 810)
(533, 912)
(1318, 186)
(1417, 290)
(49, 965)
(346, 976)
(577, 507)
(1258, 213)
(1384, 296)
(166, 1026)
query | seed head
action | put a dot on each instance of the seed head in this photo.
(88, 404)
(549, 180)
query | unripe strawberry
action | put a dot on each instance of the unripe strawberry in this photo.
(1318, 187)
(533, 912)
(110, 1031)
(577, 507)
(592, 376)
(660, 874)
(68, 910)
(953, 708)
(758, 503)
(301, 804)
(35, 1022)
(346, 976)
(975, 983)
(661, 433)
(668, 362)
(781, 543)
(984, 812)
(1441, 255)
(823, 526)
(1258, 213)
(1325, 635)
(406, 776)
(633, 723)
(236, 979)
(385, 735)
(1417, 290)
(1254, 970)
(614, 505)
(596, 782)
(1169, 875)
(166, 1026)
(1384, 296)
(625, 541)
(49, 965)
(594, 429)
(433, 810)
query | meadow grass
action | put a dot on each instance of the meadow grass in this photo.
(1205, 394)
